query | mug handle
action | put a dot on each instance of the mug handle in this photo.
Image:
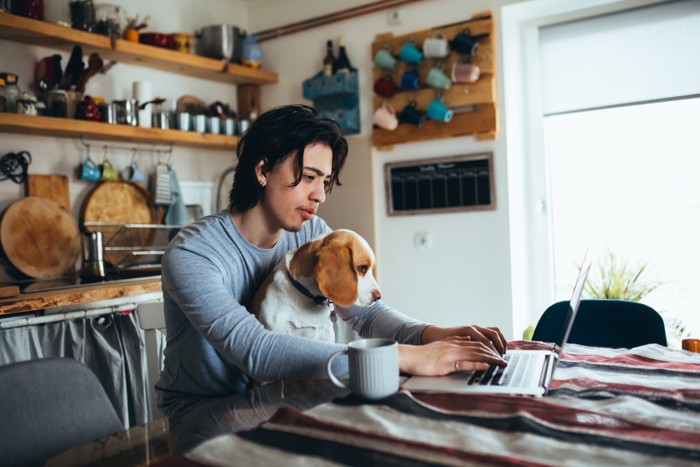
(389, 108)
(335, 380)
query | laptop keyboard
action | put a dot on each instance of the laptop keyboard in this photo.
(514, 375)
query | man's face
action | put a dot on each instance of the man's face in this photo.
(288, 207)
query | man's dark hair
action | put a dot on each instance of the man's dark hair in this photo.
(276, 135)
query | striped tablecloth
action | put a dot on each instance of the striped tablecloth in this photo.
(605, 407)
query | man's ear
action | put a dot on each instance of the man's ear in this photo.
(261, 171)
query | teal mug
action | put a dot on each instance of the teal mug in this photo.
(437, 110)
(410, 53)
(90, 171)
(384, 59)
(438, 79)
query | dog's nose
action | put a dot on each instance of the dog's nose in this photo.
(376, 295)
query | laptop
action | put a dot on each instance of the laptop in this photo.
(529, 372)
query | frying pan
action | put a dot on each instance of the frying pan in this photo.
(40, 238)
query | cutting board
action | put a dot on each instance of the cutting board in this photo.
(40, 238)
(54, 187)
(118, 202)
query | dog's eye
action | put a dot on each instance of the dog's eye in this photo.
(363, 269)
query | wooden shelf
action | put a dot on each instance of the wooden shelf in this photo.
(70, 128)
(30, 31)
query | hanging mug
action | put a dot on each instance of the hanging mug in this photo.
(385, 117)
(464, 43)
(436, 46)
(89, 170)
(133, 173)
(383, 58)
(411, 115)
(109, 173)
(438, 111)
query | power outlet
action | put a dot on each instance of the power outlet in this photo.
(393, 17)
(422, 240)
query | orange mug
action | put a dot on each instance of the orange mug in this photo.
(692, 345)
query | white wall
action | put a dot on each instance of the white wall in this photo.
(465, 276)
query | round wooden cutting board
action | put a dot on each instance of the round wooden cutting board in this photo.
(118, 202)
(40, 238)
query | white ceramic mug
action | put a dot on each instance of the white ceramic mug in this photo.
(374, 368)
(385, 117)
(436, 46)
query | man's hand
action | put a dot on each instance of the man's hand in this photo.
(493, 338)
(455, 353)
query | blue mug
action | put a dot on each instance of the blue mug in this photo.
(411, 115)
(464, 43)
(410, 79)
(90, 171)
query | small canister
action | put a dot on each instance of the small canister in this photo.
(26, 104)
(108, 111)
(57, 103)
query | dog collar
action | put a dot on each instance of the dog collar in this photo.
(318, 299)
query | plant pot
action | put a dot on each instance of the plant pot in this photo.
(131, 35)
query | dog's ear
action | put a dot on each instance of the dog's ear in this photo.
(335, 274)
(304, 261)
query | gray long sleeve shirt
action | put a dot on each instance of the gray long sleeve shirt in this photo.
(215, 347)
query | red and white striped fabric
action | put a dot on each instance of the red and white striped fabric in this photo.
(605, 407)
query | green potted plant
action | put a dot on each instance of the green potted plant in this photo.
(617, 279)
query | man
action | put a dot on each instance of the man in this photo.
(288, 160)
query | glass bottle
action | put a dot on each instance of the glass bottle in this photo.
(11, 90)
(329, 60)
(3, 96)
(343, 63)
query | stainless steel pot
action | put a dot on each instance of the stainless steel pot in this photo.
(220, 41)
(127, 111)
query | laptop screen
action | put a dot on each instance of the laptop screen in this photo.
(574, 303)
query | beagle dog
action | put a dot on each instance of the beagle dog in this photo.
(298, 297)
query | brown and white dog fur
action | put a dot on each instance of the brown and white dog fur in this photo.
(335, 268)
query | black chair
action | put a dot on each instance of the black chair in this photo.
(49, 405)
(604, 323)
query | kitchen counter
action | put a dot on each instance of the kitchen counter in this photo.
(72, 295)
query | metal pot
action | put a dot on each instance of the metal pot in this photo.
(127, 112)
(221, 41)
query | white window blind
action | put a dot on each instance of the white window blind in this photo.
(640, 55)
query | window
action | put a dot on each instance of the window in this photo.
(626, 180)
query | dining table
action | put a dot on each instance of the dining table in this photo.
(604, 406)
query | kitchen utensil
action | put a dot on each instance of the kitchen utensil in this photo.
(220, 41)
(127, 112)
(95, 64)
(74, 68)
(162, 194)
(118, 202)
(191, 105)
(93, 255)
(40, 238)
(54, 187)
